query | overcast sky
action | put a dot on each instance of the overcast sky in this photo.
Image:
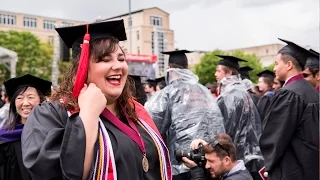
(201, 24)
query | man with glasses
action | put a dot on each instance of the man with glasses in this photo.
(311, 71)
(221, 161)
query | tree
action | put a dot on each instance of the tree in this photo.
(63, 68)
(270, 67)
(252, 61)
(33, 57)
(207, 66)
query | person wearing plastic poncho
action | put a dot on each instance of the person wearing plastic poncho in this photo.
(241, 118)
(183, 111)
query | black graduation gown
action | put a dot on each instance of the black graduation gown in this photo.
(263, 104)
(54, 147)
(290, 140)
(254, 97)
(11, 166)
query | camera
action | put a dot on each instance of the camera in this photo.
(196, 155)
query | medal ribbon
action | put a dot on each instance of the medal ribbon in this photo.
(133, 133)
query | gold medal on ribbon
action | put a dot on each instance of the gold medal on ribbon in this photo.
(145, 164)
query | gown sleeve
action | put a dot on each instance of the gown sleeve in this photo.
(53, 144)
(262, 105)
(281, 120)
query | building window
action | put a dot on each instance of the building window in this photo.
(152, 42)
(48, 24)
(51, 40)
(267, 51)
(66, 24)
(138, 49)
(155, 21)
(138, 35)
(130, 21)
(160, 48)
(7, 19)
(29, 22)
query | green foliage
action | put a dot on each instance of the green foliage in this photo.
(63, 68)
(270, 67)
(207, 66)
(33, 57)
(253, 62)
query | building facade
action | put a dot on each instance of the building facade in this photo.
(148, 33)
(194, 58)
(266, 53)
(42, 27)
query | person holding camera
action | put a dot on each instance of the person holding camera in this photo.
(221, 162)
(183, 111)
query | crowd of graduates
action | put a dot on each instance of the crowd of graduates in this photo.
(103, 123)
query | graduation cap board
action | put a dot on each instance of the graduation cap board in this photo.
(297, 52)
(79, 37)
(313, 61)
(136, 78)
(160, 79)
(178, 57)
(267, 74)
(13, 84)
(151, 82)
(74, 34)
(230, 61)
(314, 52)
(244, 71)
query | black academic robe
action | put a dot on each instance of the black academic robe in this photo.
(263, 104)
(54, 147)
(290, 139)
(11, 166)
(254, 97)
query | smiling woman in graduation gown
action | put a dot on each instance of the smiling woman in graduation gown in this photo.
(25, 93)
(126, 143)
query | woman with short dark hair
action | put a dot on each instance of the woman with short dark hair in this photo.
(25, 93)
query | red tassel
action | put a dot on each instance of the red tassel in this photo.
(83, 65)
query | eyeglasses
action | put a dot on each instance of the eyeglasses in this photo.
(215, 143)
(305, 75)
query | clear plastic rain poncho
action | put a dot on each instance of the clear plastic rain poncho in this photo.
(184, 111)
(242, 121)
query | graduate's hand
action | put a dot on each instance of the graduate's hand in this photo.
(91, 100)
(195, 143)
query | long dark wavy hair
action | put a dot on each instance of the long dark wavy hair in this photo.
(14, 117)
(98, 50)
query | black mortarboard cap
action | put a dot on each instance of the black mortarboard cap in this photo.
(178, 57)
(313, 61)
(13, 84)
(267, 74)
(152, 82)
(297, 52)
(160, 79)
(72, 36)
(135, 78)
(244, 72)
(314, 52)
(230, 61)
